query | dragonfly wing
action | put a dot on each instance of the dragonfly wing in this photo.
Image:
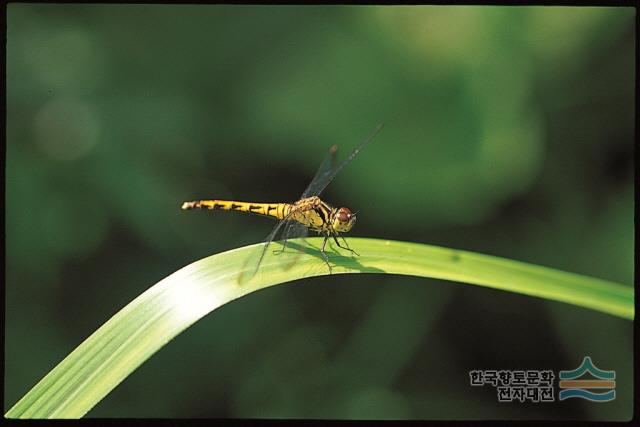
(292, 229)
(253, 263)
(327, 165)
(327, 172)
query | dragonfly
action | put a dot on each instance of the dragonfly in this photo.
(309, 212)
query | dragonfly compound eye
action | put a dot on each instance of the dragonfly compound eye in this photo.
(344, 215)
(343, 220)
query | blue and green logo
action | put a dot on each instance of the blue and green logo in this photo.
(572, 386)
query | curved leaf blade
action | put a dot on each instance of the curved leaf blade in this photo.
(159, 314)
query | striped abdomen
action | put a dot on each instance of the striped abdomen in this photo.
(274, 210)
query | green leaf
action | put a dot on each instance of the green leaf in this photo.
(151, 320)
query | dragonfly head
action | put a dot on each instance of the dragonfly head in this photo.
(343, 220)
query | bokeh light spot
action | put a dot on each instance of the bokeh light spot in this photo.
(66, 129)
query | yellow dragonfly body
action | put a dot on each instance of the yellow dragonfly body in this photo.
(308, 213)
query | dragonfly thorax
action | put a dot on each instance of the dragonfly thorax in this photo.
(342, 220)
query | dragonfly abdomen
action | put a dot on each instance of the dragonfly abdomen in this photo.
(274, 210)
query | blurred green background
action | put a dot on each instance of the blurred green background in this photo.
(508, 131)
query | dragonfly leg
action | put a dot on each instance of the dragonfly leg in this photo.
(324, 254)
(284, 242)
(344, 247)
(284, 246)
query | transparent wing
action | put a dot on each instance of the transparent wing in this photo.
(327, 165)
(326, 172)
(290, 230)
(252, 263)
(293, 230)
(328, 169)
